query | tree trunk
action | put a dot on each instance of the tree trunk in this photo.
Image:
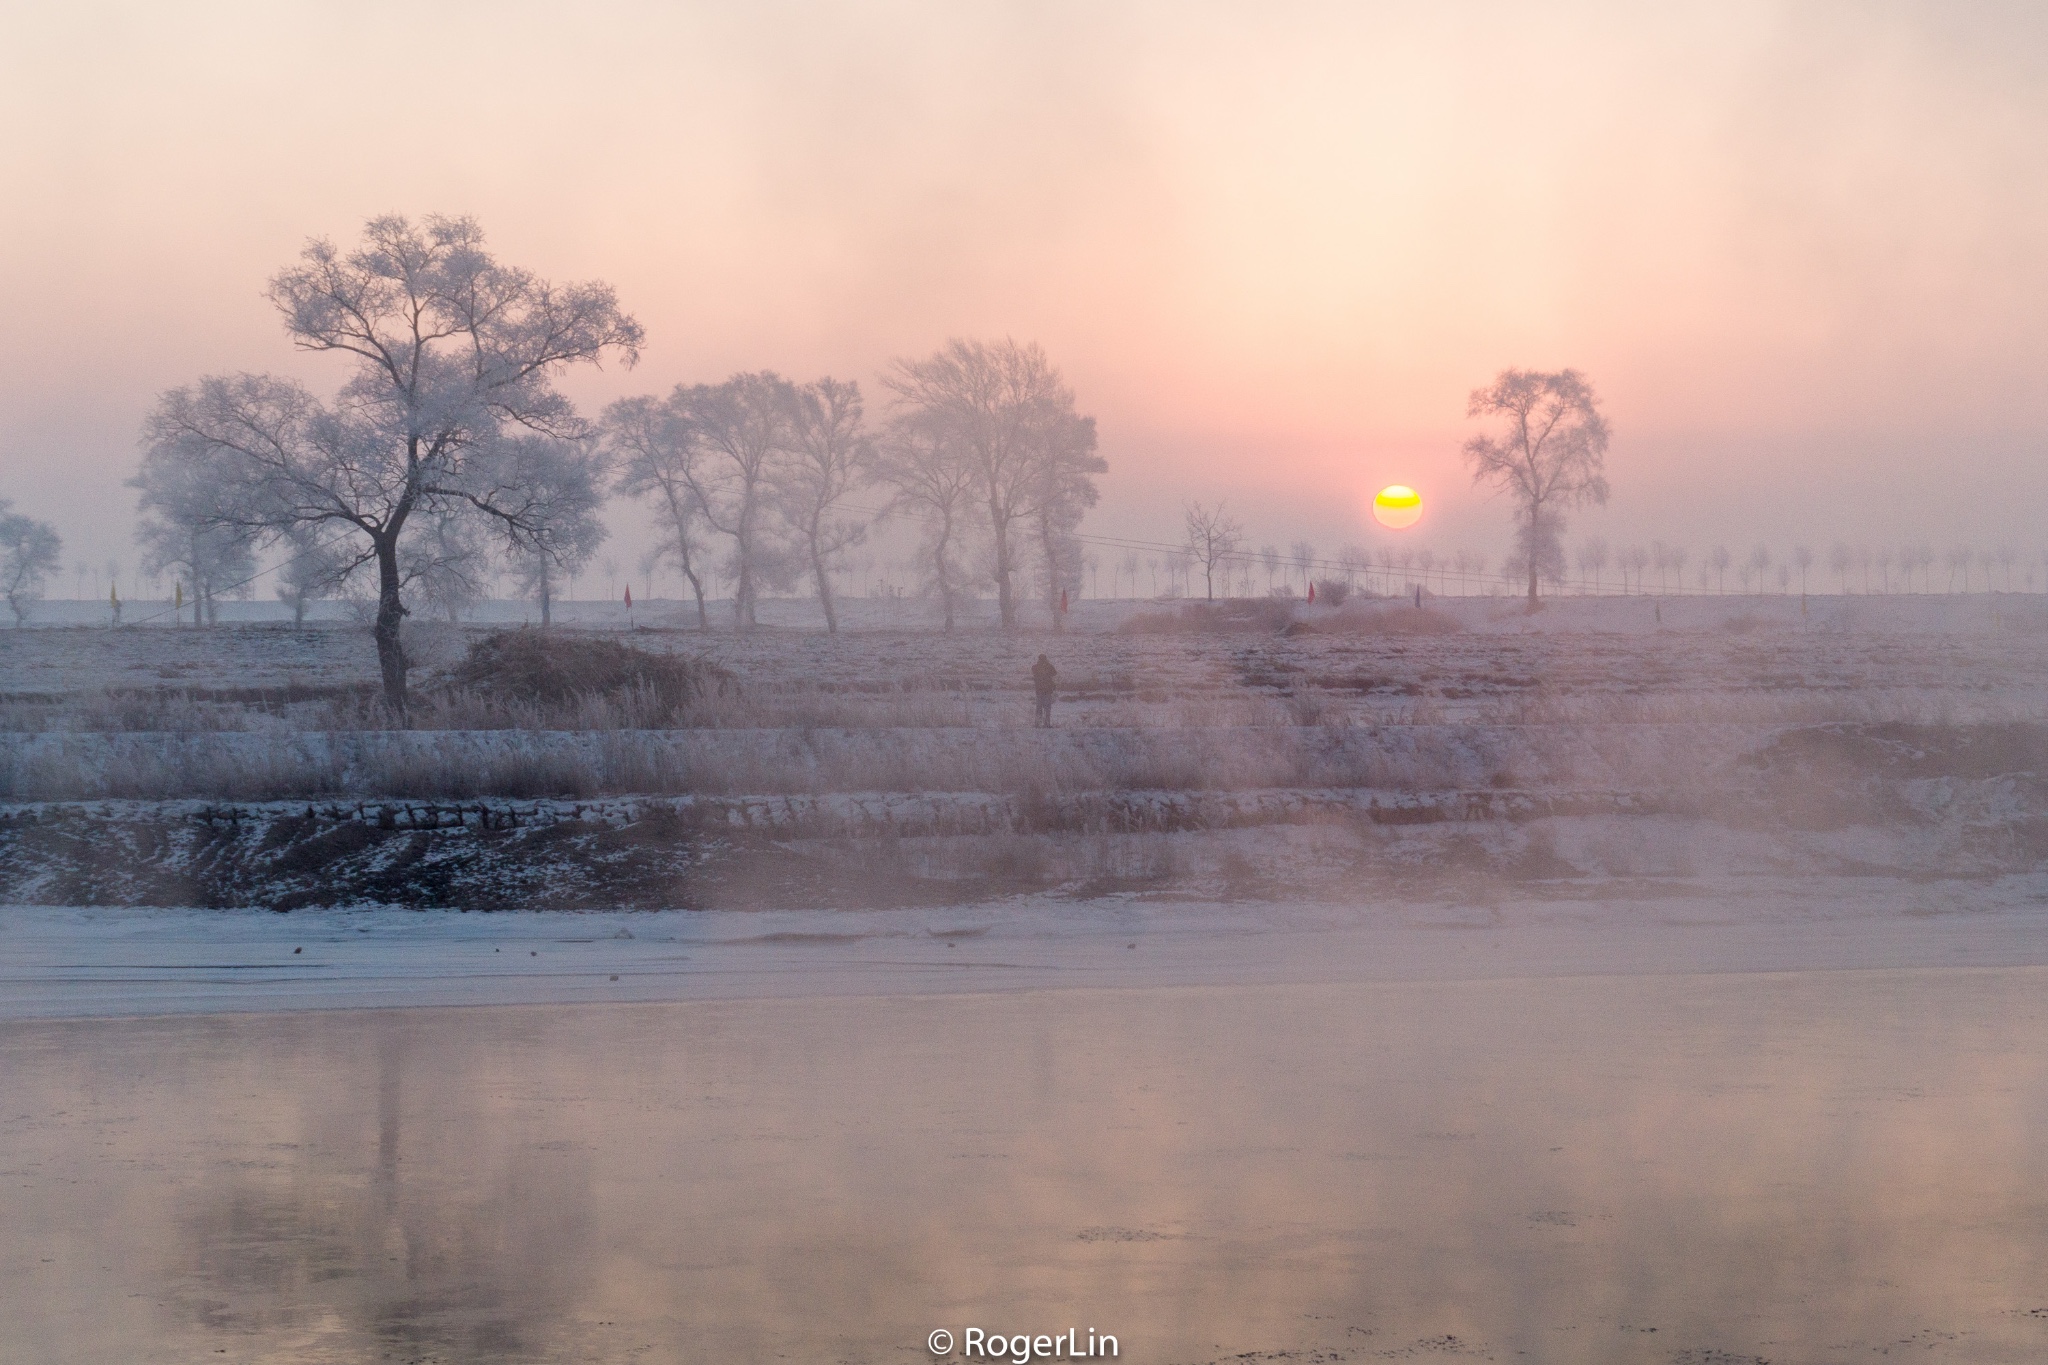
(824, 586)
(391, 660)
(939, 568)
(547, 594)
(999, 531)
(1052, 575)
(703, 616)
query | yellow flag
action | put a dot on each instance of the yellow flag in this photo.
(113, 598)
(181, 593)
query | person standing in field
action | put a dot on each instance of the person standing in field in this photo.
(1043, 675)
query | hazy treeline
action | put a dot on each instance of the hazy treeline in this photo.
(448, 448)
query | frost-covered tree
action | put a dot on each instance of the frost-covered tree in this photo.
(1212, 536)
(1550, 457)
(187, 529)
(1008, 411)
(1592, 560)
(934, 479)
(742, 434)
(1065, 470)
(30, 551)
(830, 456)
(449, 354)
(655, 451)
(314, 568)
(563, 482)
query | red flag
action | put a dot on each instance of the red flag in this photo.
(1063, 601)
(629, 597)
(1311, 592)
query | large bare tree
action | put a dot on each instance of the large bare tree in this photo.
(449, 352)
(830, 456)
(1550, 456)
(1006, 408)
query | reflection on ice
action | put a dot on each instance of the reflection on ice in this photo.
(1789, 1167)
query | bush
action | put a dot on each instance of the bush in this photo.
(550, 669)
(1331, 592)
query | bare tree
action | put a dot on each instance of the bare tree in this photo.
(186, 529)
(1634, 560)
(564, 486)
(744, 437)
(1550, 458)
(1802, 558)
(1759, 562)
(1064, 469)
(1213, 536)
(313, 568)
(30, 552)
(1007, 409)
(1720, 559)
(448, 350)
(1841, 559)
(1593, 559)
(655, 449)
(935, 478)
(1305, 557)
(830, 457)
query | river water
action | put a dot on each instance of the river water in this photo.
(1682, 1169)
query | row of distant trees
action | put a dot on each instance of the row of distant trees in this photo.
(448, 444)
(1217, 561)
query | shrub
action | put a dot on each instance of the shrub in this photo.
(1331, 592)
(552, 669)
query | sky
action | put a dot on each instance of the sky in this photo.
(1798, 249)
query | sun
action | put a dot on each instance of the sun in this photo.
(1397, 506)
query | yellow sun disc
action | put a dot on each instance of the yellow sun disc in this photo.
(1397, 506)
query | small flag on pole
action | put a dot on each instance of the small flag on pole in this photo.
(1063, 601)
(629, 597)
(1311, 592)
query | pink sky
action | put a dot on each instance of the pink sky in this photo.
(1799, 248)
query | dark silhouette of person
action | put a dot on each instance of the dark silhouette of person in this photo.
(1042, 676)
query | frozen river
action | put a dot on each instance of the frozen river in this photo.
(1804, 1127)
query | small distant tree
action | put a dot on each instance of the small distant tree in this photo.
(1269, 557)
(1304, 558)
(30, 552)
(1592, 560)
(2004, 557)
(1212, 537)
(1759, 563)
(1550, 457)
(743, 435)
(1841, 559)
(1802, 557)
(1720, 559)
(1633, 561)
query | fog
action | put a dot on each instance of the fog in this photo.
(1791, 245)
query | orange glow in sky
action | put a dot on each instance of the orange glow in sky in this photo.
(1783, 240)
